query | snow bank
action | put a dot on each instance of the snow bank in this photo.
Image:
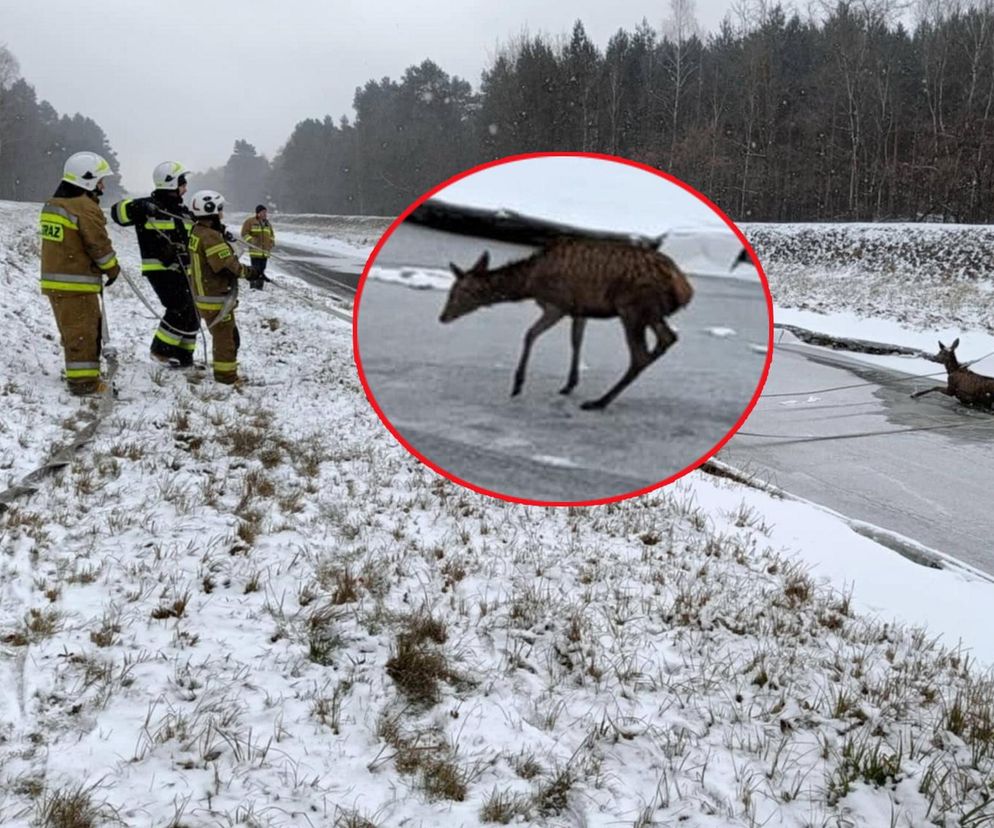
(923, 276)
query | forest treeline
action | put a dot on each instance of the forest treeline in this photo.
(847, 116)
(35, 140)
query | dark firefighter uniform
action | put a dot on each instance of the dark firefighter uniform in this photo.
(258, 233)
(76, 255)
(214, 273)
(163, 242)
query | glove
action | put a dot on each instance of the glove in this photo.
(253, 276)
(110, 280)
(229, 236)
(152, 210)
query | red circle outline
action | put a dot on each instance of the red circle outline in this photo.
(574, 503)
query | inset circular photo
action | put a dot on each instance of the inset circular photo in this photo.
(563, 329)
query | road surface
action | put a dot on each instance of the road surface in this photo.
(337, 273)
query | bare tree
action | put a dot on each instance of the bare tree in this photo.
(679, 28)
(10, 71)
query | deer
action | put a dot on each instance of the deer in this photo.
(968, 387)
(583, 279)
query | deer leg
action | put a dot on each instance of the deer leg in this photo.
(550, 316)
(930, 390)
(576, 336)
(665, 337)
(641, 358)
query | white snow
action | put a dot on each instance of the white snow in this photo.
(974, 344)
(419, 278)
(553, 460)
(197, 617)
(324, 245)
(587, 192)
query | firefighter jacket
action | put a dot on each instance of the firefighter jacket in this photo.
(260, 235)
(214, 267)
(76, 252)
(162, 240)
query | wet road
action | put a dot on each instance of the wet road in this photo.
(935, 486)
(446, 387)
(338, 274)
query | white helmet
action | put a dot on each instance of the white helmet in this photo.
(85, 169)
(207, 203)
(167, 174)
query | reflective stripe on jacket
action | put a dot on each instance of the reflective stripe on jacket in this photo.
(162, 240)
(260, 235)
(76, 251)
(214, 267)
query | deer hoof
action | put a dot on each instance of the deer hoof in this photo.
(593, 405)
(516, 390)
(567, 389)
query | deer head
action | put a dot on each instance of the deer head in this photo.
(470, 290)
(947, 356)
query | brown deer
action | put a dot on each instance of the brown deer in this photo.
(582, 279)
(962, 383)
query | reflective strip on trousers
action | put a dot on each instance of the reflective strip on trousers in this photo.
(75, 282)
(82, 370)
(150, 265)
(258, 254)
(164, 334)
(225, 367)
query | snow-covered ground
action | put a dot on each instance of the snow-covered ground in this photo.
(930, 276)
(253, 607)
(586, 192)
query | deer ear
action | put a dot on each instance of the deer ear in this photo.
(954, 345)
(483, 263)
(456, 271)
(941, 346)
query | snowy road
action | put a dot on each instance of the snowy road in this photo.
(446, 387)
(337, 273)
(933, 486)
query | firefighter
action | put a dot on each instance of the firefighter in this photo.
(162, 223)
(258, 232)
(76, 258)
(214, 273)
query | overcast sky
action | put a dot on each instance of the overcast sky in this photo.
(183, 80)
